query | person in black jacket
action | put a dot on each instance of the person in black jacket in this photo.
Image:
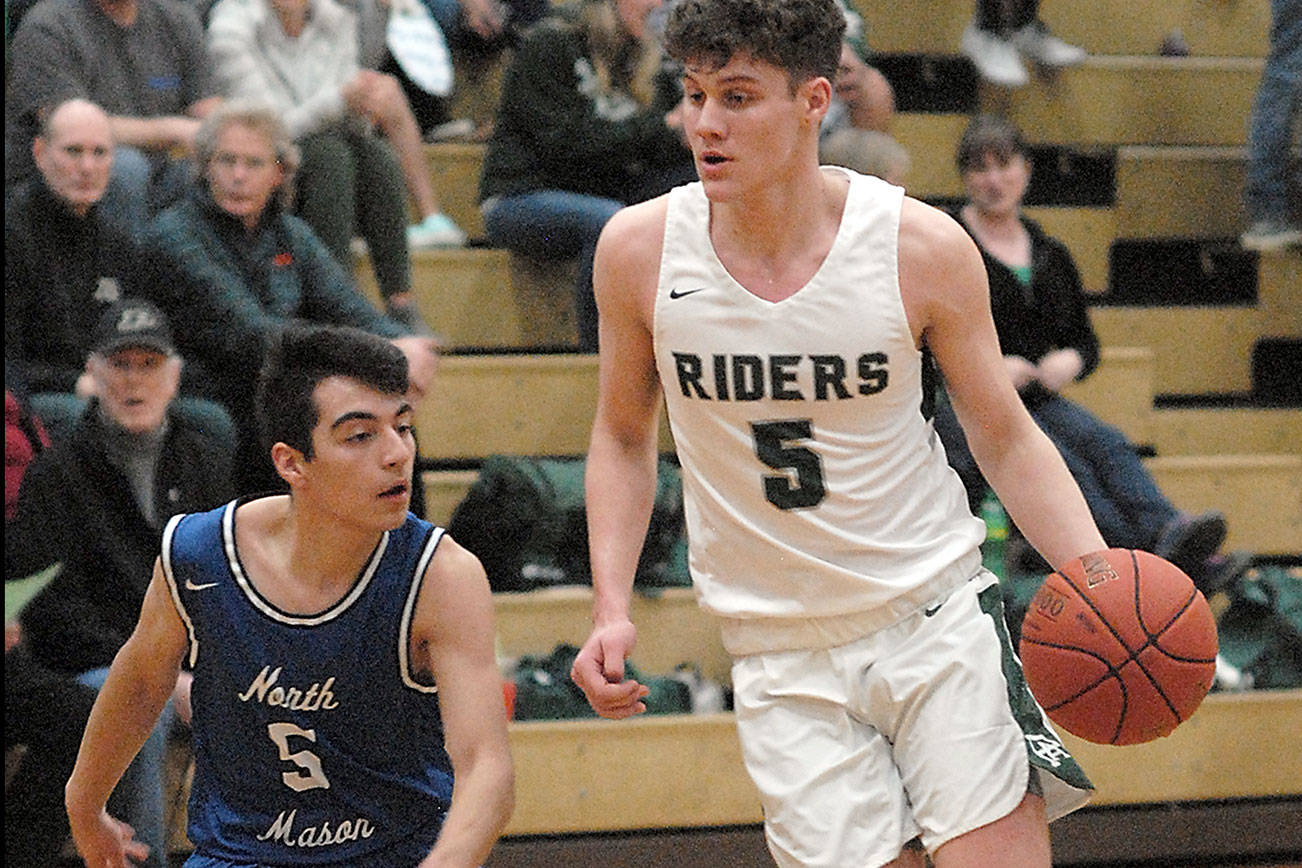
(231, 262)
(1042, 319)
(97, 503)
(584, 128)
(64, 263)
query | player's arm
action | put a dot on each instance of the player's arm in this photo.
(453, 634)
(621, 465)
(945, 290)
(141, 679)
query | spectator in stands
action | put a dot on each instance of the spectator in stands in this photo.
(1004, 32)
(45, 712)
(65, 264)
(1274, 185)
(862, 97)
(144, 62)
(866, 151)
(359, 140)
(1042, 320)
(581, 131)
(97, 504)
(234, 266)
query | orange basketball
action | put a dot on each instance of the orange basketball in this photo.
(1119, 647)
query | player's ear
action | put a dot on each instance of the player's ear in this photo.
(817, 96)
(289, 463)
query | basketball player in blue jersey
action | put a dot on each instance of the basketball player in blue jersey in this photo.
(783, 312)
(347, 708)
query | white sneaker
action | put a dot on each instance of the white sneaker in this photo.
(1269, 235)
(994, 57)
(1036, 42)
(461, 128)
(436, 230)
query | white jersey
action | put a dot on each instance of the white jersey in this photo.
(819, 502)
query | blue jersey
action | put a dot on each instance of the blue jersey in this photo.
(315, 743)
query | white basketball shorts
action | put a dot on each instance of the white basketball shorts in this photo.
(923, 728)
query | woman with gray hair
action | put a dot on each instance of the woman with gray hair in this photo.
(230, 266)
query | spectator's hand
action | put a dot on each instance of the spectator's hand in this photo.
(106, 842)
(598, 670)
(484, 17)
(1020, 371)
(181, 697)
(1059, 368)
(422, 361)
(181, 132)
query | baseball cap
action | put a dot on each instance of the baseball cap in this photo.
(132, 323)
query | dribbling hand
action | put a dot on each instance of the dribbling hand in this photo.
(598, 670)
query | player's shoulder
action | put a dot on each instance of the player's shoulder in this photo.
(454, 562)
(924, 226)
(627, 262)
(637, 229)
(933, 245)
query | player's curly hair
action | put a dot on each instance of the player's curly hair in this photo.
(299, 357)
(802, 37)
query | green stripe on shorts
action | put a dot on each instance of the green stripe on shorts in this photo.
(1043, 747)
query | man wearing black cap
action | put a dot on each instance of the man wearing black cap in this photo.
(97, 502)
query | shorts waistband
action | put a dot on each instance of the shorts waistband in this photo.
(743, 636)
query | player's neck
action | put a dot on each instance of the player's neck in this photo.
(301, 559)
(772, 242)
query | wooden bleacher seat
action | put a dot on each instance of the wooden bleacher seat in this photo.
(1150, 100)
(1111, 27)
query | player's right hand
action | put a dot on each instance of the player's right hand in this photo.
(107, 842)
(598, 670)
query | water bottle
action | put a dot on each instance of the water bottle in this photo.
(992, 550)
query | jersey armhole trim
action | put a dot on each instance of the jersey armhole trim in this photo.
(165, 557)
(409, 610)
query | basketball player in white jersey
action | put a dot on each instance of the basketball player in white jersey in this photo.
(347, 708)
(782, 311)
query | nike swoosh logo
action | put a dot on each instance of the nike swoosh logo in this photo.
(680, 293)
(191, 586)
(933, 610)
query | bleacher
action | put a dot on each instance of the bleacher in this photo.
(1153, 150)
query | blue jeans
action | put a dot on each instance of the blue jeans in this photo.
(1124, 499)
(142, 184)
(555, 224)
(1269, 189)
(138, 798)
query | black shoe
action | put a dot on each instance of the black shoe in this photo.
(1189, 540)
(1219, 572)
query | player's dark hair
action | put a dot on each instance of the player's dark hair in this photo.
(802, 37)
(989, 135)
(299, 357)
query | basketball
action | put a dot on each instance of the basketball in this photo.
(1119, 647)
